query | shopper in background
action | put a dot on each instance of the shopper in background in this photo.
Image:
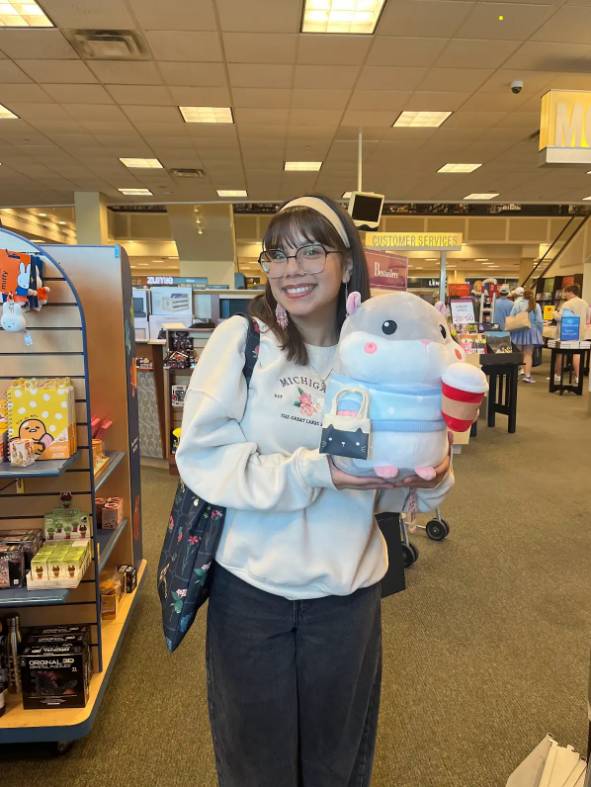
(503, 306)
(293, 633)
(577, 306)
(527, 338)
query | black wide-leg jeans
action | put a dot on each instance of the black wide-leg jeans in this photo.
(293, 686)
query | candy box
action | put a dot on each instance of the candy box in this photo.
(12, 566)
(55, 675)
(66, 524)
(30, 541)
(21, 452)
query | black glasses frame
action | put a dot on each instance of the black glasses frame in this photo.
(294, 256)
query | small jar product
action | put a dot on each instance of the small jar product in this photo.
(110, 516)
(100, 504)
(98, 450)
(21, 453)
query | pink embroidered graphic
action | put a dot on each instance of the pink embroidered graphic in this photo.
(306, 404)
(171, 522)
(215, 514)
(180, 536)
(194, 540)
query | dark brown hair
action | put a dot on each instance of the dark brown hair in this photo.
(573, 288)
(290, 227)
(530, 298)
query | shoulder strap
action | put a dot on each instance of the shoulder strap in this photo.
(251, 350)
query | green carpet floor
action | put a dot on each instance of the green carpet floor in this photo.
(485, 652)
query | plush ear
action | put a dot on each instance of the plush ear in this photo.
(353, 302)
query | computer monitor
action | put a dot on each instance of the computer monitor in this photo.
(365, 209)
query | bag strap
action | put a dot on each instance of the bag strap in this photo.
(251, 350)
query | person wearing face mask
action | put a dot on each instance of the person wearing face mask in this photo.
(293, 627)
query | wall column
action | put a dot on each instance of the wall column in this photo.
(211, 253)
(92, 223)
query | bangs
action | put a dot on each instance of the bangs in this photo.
(300, 224)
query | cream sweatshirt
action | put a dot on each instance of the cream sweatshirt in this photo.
(288, 530)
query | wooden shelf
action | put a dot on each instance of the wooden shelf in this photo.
(52, 468)
(21, 597)
(66, 724)
(115, 458)
(107, 539)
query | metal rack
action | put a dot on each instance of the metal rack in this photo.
(71, 338)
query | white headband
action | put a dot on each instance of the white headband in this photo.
(314, 203)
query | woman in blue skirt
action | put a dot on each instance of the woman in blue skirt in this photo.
(527, 338)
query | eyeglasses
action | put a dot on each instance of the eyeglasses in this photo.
(311, 259)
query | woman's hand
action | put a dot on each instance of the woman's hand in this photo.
(343, 480)
(441, 471)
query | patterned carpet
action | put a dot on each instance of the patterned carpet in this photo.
(486, 651)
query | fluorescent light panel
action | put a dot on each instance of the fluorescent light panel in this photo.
(207, 114)
(14, 13)
(302, 166)
(341, 16)
(481, 259)
(232, 193)
(411, 119)
(136, 192)
(484, 195)
(141, 163)
(587, 198)
(346, 195)
(458, 169)
(6, 114)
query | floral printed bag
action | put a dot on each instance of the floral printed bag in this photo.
(191, 541)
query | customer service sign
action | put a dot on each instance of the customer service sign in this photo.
(565, 127)
(414, 241)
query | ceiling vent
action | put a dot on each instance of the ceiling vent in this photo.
(184, 172)
(108, 44)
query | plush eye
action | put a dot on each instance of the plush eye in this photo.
(443, 331)
(389, 327)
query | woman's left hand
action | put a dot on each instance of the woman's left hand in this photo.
(441, 471)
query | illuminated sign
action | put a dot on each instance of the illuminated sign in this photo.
(565, 127)
(167, 280)
(414, 241)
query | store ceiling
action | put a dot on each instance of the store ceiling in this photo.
(293, 97)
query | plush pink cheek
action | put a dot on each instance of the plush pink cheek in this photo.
(458, 354)
(426, 342)
(371, 348)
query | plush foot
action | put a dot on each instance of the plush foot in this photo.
(387, 471)
(427, 473)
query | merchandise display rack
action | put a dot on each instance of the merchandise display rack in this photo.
(69, 339)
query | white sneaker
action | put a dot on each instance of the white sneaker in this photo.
(528, 379)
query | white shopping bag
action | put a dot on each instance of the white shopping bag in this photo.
(550, 765)
(529, 772)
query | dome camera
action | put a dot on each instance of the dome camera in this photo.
(517, 86)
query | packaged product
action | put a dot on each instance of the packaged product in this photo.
(3, 430)
(65, 524)
(43, 411)
(110, 587)
(29, 540)
(55, 675)
(128, 578)
(21, 452)
(12, 566)
(60, 564)
(112, 513)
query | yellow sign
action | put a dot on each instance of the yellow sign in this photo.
(414, 241)
(565, 127)
(548, 312)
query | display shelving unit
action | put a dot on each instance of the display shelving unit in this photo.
(72, 338)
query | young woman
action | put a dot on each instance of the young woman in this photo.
(293, 634)
(527, 338)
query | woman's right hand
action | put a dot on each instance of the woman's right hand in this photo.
(343, 480)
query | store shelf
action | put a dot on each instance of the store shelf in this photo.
(115, 458)
(52, 468)
(67, 724)
(107, 539)
(21, 597)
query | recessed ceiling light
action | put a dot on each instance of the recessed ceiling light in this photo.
(341, 16)
(484, 195)
(63, 223)
(207, 114)
(43, 215)
(481, 259)
(431, 259)
(136, 192)
(141, 163)
(410, 119)
(15, 13)
(458, 169)
(587, 198)
(302, 166)
(232, 193)
(6, 114)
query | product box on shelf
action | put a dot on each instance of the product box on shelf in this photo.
(59, 565)
(3, 430)
(66, 524)
(111, 589)
(43, 411)
(128, 578)
(111, 512)
(55, 675)
(30, 541)
(12, 566)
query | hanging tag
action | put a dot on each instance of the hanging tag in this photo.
(346, 428)
(28, 339)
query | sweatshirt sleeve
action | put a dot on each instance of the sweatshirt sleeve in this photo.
(214, 458)
(427, 499)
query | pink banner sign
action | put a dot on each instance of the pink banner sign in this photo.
(387, 271)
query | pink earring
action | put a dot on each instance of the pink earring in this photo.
(281, 316)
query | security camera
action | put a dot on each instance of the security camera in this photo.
(517, 86)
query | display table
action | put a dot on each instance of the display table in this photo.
(502, 370)
(561, 365)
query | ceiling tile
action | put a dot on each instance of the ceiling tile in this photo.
(260, 75)
(45, 44)
(140, 115)
(319, 99)
(54, 71)
(368, 117)
(436, 101)
(332, 49)
(262, 116)
(11, 74)
(185, 45)
(325, 76)
(538, 55)
(520, 21)
(462, 79)
(252, 97)
(430, 18)
(78, 14)
(480, 120)
(315, 117)
(194, 74)
(83, 112)
(260, 16)
(78, 94)
(35, 111)
(174, 14)
(146, 95)
(124, 73)
(469, 53)
(390, 78)
(394, 51)
(28, 93)
(263, 48)
(198, 96)
(385, 100)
